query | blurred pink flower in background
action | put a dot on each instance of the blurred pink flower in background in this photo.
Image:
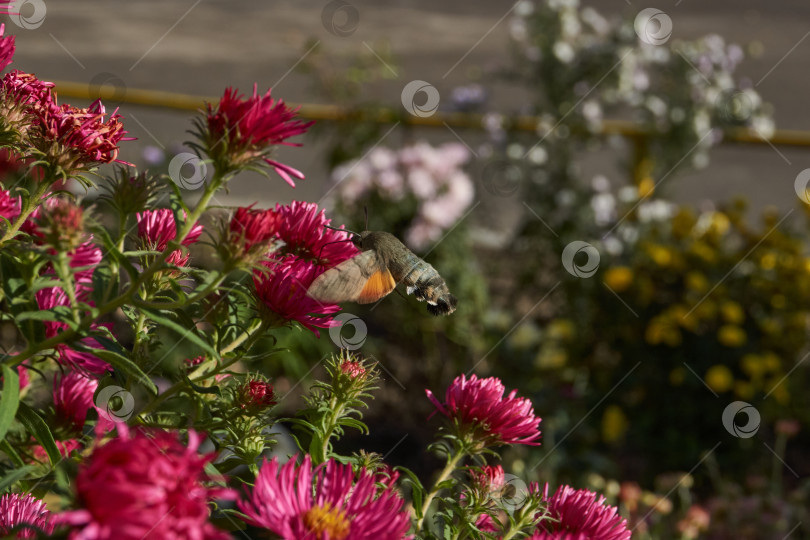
(432, 176)
(296, 502)
(485, 416)
(6, 45)
(9, 206)
(16, 509)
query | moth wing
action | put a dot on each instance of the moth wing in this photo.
(363, 279)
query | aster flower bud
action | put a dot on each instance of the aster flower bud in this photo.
(129, 194)
(255, 395)
(61, 225)
(250, 236)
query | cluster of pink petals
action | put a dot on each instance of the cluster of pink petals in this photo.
(73, 398)
(352, 369)
(579, 515)
(144, 486)
(256, 395)
(65, 448)
(330, 502)
(246, 127)
(157, 228)
(25, 90)
(250, 227)
(303, 230)
(17, 510)
(85, 132)
(282, 288)
(481, 410)
(309, 250)
(6, 48)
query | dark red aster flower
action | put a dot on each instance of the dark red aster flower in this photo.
(249, 227)
(580, 514)
(17, 510)
(303, 230)
(482, 414)
(238, 131)
(330, 502)
(6, 48)
(145, 486)
(282, 287)
(256, 395)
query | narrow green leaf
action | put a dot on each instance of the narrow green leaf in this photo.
(122, 364)
(37, 427)
(185, 332)
(9, 400)
(12, 454)
(12, 477)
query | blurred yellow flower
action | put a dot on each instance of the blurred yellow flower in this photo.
(779, 390)
(551, 358)
(731, 336)
(560, 330)
(771, 362)
(696, 281)
(753, 365)
(614, 424)
(732, 312)
(661, 255)
(646, 187)
(778, 301)
(719, 378)
(619, 278)
(677, 376)
(768, 261)
(744, 390)
(662, 330)
(720, 223)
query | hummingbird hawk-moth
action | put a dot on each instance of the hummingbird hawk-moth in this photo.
(371, 275)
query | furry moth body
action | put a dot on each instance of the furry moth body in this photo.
(371, 275)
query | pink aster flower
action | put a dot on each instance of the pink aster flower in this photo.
(73, 398)
(331, 502)
(6, 48)
(238, 131)
(483, 415)
(282, 287)
(579, 514)
(25, 515)
(144, 486)
(9, 206)
(249, 228)
(65, 448)
(25, 90)
(156, 228)
(303, 230)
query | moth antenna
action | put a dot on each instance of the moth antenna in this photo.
(341, 230)
(320, 252)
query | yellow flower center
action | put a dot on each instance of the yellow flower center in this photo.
(326, 520)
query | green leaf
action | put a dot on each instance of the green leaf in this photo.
(101, 279)
(122, 364)
(9, 400)
(37, 427)
(185, 332)
(12, 477)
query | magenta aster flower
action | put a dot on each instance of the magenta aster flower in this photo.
(20, 510)
(146, 485)
(331, 502)
(249, 227)
(157, 228)
(579, 514)
(303, 231)
(483, 415)
(6, 48)
(238, 131)
(25, 90)
(9, 206)
(282, 288)
(73, 398)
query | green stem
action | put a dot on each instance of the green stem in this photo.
(452, 463)
(190, 300)
(337, 411)
(64, 273)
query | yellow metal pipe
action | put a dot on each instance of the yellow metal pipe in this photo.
(333, 113)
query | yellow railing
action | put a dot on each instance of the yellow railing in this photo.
(333, 113)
